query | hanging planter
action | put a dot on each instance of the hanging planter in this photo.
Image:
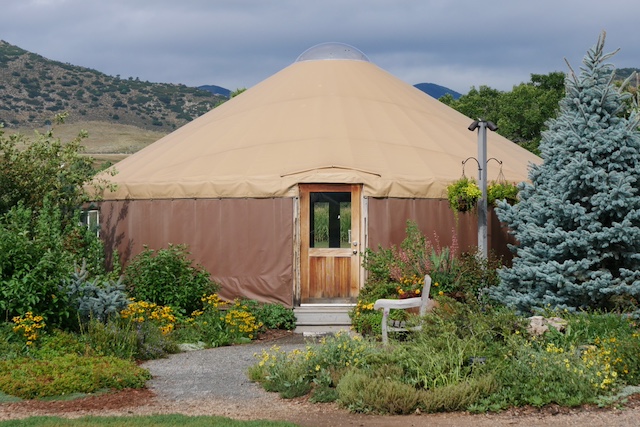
(502, 190)
(463, 194)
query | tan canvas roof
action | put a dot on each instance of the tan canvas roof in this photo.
(317, 121)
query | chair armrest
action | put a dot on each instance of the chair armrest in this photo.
(397, 304)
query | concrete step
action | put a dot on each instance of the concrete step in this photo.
(322, 319)
(321, 330)
(322, 315)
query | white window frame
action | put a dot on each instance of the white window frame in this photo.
(91, 219)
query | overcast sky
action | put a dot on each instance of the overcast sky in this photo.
(238, 43)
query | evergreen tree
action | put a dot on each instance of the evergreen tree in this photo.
(578, 222)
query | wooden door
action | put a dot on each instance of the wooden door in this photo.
(330, 241)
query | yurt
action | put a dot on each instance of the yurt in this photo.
(331, 142)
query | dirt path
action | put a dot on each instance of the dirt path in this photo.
(299, 411)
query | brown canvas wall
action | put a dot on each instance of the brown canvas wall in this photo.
(246, 244)
(388, 220)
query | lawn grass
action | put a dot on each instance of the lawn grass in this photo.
(142, 421)
(7, 398)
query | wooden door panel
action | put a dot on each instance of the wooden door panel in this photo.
(320, 272)
(330, 277)
(342, 276)
(329, 274)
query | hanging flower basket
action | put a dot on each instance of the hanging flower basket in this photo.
(463, 195)
(502, 191)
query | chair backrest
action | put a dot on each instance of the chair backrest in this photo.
(425, 295)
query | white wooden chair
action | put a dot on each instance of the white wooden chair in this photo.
(386, 305)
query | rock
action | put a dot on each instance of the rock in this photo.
(192, 346)
(538, 325)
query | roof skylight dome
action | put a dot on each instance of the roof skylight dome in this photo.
(332, 51)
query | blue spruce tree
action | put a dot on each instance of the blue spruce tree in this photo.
(578, 222)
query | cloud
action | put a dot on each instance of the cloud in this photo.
(238, 43)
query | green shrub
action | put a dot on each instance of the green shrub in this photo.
(152, 343)
(167, 277)
(28, 378)
(282, 372)
(592, 333)
(94, 300)
(433, 362)
(365, 320)
(58, 343)
(151, 324)
(322, 365)
(33, 263)
(399, 272)
(240, 322)
(539, 377)
(220, 323)
(44, 168)
(474, 275)
(490, 327)
(323, 394)
(208, 328)
(458, 396)
(115, 337)
(40, 235)
(364, 391)
(10, 346)
(465, 357)
(339, 351)
(272, 316)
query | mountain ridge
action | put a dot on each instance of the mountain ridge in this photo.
(33, 89)
(437, 91)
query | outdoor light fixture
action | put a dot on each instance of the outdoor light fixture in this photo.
(490, 125)
(482, 126)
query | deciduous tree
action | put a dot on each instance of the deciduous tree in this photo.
(44, 166)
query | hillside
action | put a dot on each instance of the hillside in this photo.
(623, 73)
(33, 89)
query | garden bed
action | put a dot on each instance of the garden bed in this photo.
(302, 412)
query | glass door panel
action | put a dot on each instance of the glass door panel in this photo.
(330, 220)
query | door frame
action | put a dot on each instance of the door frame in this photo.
(301, 247)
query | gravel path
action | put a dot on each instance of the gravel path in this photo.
(218, 373)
